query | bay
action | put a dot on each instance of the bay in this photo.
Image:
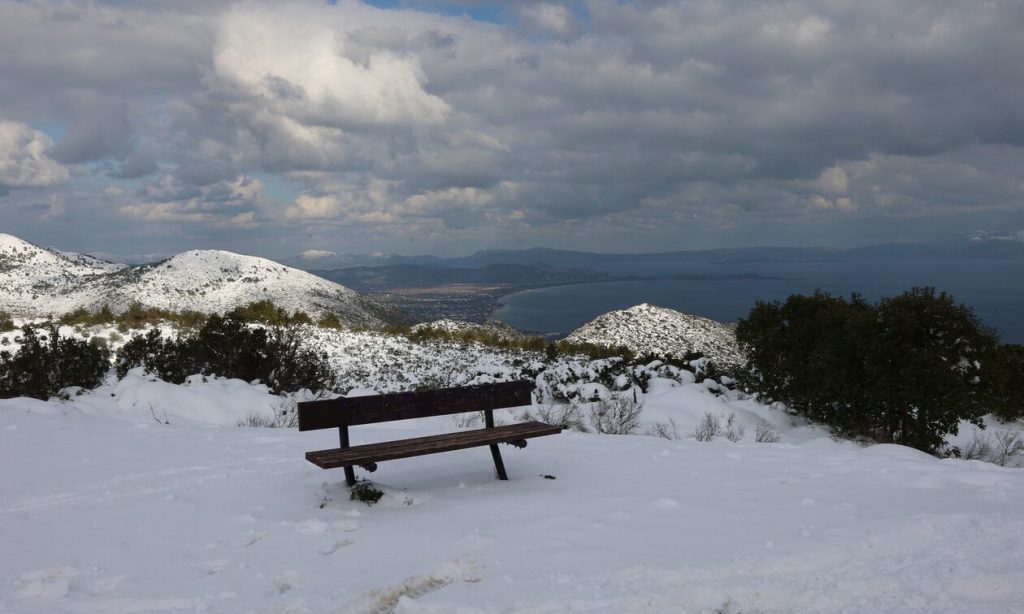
(993, 288)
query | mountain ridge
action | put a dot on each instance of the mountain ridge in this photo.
(40, 281)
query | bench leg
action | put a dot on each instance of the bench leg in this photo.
(350, 476)
(499, 466)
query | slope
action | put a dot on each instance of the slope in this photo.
(647, 329)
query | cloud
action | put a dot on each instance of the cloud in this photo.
(298, 62)
(608, 125)
(547, 17)
(312, 207)
(169, 200)
(25, 158)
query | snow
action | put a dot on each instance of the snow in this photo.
(38, 281)
(105, 509)
(648, 329)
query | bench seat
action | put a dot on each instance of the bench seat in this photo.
(418, 446)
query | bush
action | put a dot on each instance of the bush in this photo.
(617, 416)
(266, 312)
(905, 370)
(6, 323)
(88, 318)
(47, 363)
(330, 320)
(711, 426)
(228, 347)
(1001, 449)
(1007, 382)
(365, 491)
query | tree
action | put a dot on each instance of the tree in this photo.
(1007, 382)
(906, 370)
(47, 362)
(928, 367)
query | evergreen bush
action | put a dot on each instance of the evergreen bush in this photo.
(904, 370)
(229, 347)
(1008, 382)
(6, 322)
(47, 362)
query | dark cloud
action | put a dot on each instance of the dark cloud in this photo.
(602, 125)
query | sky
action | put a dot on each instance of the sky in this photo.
(136, 130)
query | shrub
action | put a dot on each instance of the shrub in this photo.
(228, 347)
(617, 416)
(266, 312)
(711, 426)
(1000, 449)
(565, 415)
(330, 320)
(1007, 382)
(765, 434)
(366, 492)
(665, 430)
(905, 370)
(6, 322)
(88, 318)
(47, 363)
(708, 428)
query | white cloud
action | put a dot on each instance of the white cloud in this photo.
(548, 17)
(24, 158)
(433, 201)
(833, 180)
(308, 206)
(168, 200)
(296, 61)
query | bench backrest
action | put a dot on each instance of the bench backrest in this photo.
(343, 412)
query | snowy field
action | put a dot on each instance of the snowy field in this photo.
(105, 508)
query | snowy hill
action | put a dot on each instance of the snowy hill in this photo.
(38, 281)
(647, 329)
(35, 279)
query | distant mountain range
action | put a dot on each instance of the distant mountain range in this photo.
(386, 277)
(38, 281)
(981, 246)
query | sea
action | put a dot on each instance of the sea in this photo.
(994, 289)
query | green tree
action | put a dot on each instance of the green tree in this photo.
(47, 362)
(906, 370)
(1007, 382)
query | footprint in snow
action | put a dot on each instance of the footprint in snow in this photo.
(46, 584)
(338, 545)
(212, 567)
(252, 538)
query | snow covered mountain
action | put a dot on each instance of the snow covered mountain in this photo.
(647, 329)
(39, 281)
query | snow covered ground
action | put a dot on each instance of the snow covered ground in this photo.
(145, 497)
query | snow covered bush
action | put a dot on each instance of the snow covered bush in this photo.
(711, 426)
(618, 415)
(565, 415)
(766, 434)
(665, 430)
(229, 347)
(708, 428)
(48, 362)
(1001, 449)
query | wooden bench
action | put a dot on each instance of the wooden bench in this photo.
(345, 412)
